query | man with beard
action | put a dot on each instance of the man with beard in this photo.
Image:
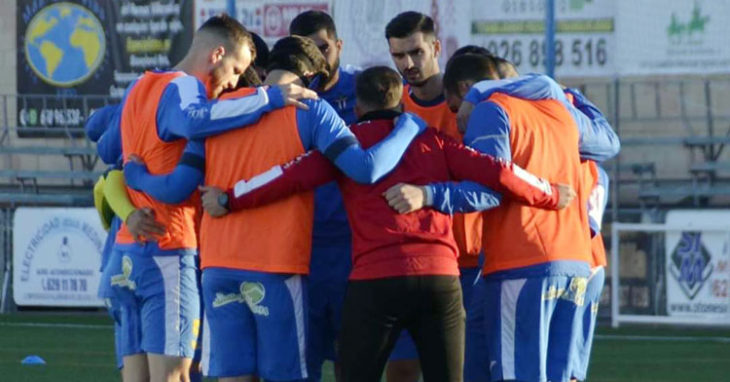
(330, 262)
(415, 50)
(255, 294)
(569, 344)
(405, 274)
(155, 281)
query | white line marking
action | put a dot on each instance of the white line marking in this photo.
(620, 337)
(55, 325)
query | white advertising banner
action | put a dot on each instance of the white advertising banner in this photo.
(56, 256)
(698, 266)
(515, 30)
(361, 25)
(269, 19)
(673, 37)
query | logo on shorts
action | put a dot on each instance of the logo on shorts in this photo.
(576, 291)
(691, 263)
(122, 279)
(252, 293)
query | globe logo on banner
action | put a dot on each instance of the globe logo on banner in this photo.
(64, 44)
(691, 263)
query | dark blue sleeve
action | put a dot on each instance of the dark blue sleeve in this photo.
(598, 141)
(100, 121)
(530, 86)
(321, 128)
(174, 187)
(488, 131)
(451, 197)
(584, 105)
(185, 112)
(109, 146)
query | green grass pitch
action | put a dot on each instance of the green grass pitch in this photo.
(80, 348)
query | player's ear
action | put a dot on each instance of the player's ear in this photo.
(217, 54)
(338, 45)
(436, 47)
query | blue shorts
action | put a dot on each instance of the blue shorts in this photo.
(405, 348)
(196, 373)
(159, 300)
(326, 285)
(254, 324)
(475, 352)
(586, 324)
(468, 277)
(113, 307)
(115, 312)
(520, 319)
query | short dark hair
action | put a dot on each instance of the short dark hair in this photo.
(504, 67)
(472, 49)
(408, 23)
(468, 67)
(310, 22)
(227, 29)
(380, 87)
(262, 51)
(249, 79)
(298, 55)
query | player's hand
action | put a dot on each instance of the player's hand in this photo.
(406, 198)
(210, 201)
(567, 194)
(142, 225)
(293, 93)
(462, 117)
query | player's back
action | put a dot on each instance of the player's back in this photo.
(273, 238)
(139, 132)
(386, 243)
(467, 227)
(544, 141)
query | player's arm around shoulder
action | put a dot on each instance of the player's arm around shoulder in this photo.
(304, 173)
(173, 187)
(598, 140)
(329, 134)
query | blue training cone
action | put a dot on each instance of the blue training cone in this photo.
(33, 360)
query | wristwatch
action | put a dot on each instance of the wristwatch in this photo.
(223, 200)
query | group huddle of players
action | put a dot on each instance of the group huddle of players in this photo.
(270, 210)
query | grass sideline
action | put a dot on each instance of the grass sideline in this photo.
(80, 348)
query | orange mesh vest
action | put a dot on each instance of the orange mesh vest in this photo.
(275, 238)
(139, 136)
(467, 227)
(543, 141)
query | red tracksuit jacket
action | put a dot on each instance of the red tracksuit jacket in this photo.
(385, 243)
